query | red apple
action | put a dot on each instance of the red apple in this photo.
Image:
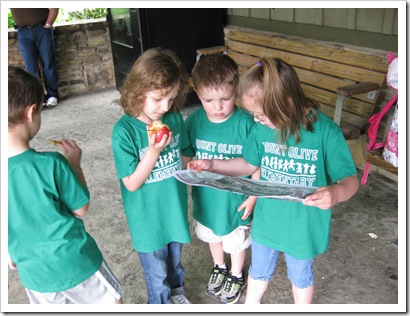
(158, 128)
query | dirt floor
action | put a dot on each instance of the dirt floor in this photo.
(360, 267)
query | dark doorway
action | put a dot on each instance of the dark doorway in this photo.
(133, 31)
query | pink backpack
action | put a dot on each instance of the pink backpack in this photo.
(390, 152)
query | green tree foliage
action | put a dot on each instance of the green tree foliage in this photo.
(86, 14)
(68, 16)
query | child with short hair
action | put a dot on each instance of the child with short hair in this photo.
(294, 143)
(57, 260)
(155, 203)
(219, 130)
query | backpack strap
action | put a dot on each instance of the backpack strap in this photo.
(374, 121)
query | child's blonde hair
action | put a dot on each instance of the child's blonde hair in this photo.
(212, 71)
(156, 69)
(275, 85)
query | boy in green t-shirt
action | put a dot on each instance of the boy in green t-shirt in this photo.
(218, 130)
(57, 260)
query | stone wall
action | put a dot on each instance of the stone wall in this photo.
(83, 51)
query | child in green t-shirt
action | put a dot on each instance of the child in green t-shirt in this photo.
(218, 130)
(57, 260)
(155, 203)
(297, 144)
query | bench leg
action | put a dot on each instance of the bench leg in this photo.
(338, 110)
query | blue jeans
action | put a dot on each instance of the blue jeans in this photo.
(263, 264)
(34, 42)
(164, 274)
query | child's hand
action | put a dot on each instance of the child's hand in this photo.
(198, 165)
(12, 265)
(327, 197)
(71, 151)
(166, 139)
(324, 198)
(248, 205)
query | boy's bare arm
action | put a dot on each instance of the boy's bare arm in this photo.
(233, 167)
(12, 265)
(326, 197)
(73, 154)
(250, 202)
(81, 211)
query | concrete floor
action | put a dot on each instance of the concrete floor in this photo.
(361, 266)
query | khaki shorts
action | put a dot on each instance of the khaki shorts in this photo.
(101, 288)
(235, 242)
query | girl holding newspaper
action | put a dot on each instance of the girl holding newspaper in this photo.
(295, 143)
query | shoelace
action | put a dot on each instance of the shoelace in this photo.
(228, 284)
(215, 275)
(231, 284)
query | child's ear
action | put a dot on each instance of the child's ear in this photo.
(29, 111)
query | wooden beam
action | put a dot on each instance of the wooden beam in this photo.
(318, 65)
(375, 159)
(376, 62)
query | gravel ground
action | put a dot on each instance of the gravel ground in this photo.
(360, 267)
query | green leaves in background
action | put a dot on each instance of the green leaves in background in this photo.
(68, 16)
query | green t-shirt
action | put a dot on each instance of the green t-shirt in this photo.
(216, 209)
(157, 212)
(49, 245)
(321, 158)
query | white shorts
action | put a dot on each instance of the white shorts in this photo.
(101, 288)
(235, 242)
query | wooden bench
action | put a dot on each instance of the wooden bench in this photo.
(349, 84)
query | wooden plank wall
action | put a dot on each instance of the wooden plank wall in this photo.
(377, 20)
(322, 67)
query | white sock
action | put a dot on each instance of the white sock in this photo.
(238, 276)
(223, 266)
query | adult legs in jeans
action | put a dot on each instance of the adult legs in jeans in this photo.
(163, 272)
(39, 42)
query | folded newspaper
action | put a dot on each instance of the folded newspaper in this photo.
(245, 186)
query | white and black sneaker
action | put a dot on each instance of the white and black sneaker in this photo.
(180, 299)
(216, 280)
(232, 289)
(51, 102)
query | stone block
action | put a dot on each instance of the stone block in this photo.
(96, 32)
(12, 41)
(78, 37)
(100, 75)
(86, 52)
(66, 57)
(70, 49)
(75, 62)
(97, 40)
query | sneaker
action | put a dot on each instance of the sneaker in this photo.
(180, 299)
(216, 281)
(232, 289)
(51, 102)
